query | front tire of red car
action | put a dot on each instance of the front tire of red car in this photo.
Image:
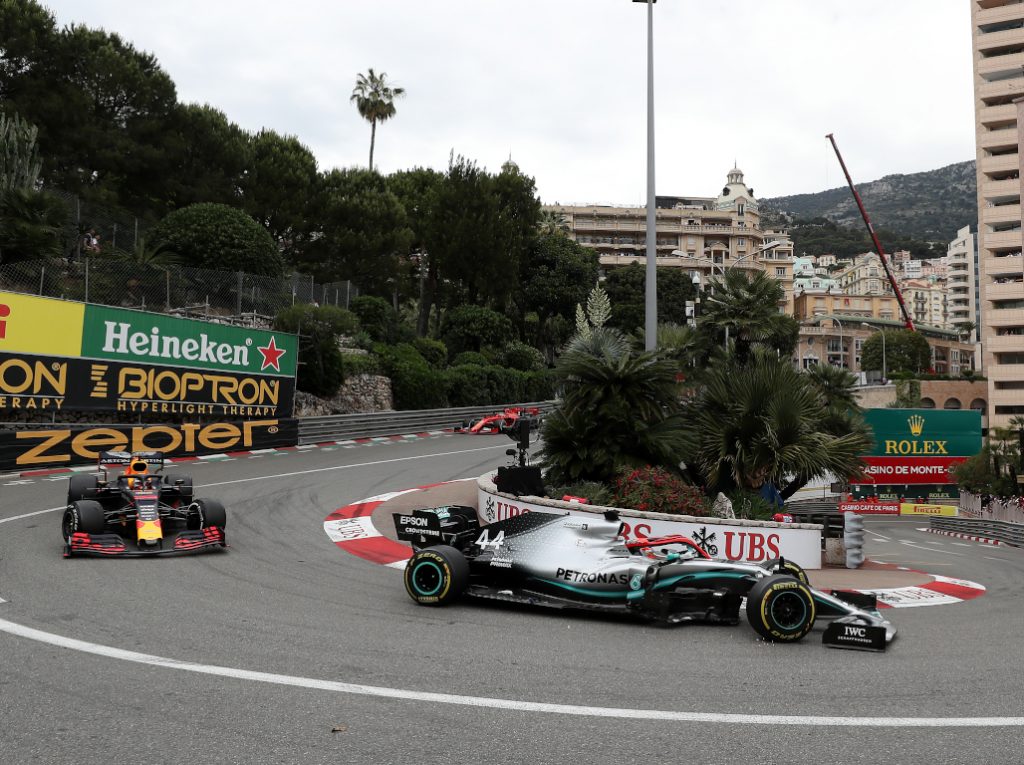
(85, 516)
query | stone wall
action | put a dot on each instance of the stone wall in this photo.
(359, 394)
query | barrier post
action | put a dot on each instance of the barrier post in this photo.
(854, 539)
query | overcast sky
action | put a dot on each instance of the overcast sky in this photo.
(561, 84)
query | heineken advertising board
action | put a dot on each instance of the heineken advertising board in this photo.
(59, 356)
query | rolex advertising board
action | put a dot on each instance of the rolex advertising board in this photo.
(58, 356)
(912, 453)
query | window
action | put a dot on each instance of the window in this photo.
(741, 242)
(780, 272)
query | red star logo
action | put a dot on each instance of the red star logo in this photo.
(271, 355)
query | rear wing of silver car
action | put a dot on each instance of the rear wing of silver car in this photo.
(447, 525)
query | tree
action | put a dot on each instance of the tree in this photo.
(31, 225)
(361, 234)
(219, 237)
(279, 187)
(473, 327)
(762, 422)
(745, 309)
(905, 352)
(320, 369)
(211, 157)
(557, 274)
(553, 223)
(627, 287)
(375, 100)
(19, 153)
(619, 408)
(417, 190)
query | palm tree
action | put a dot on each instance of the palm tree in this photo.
(746, 311)
(763, 422)
(148, 255)
(374, 99)
(553, 223)
(618, 408)
(31, 224)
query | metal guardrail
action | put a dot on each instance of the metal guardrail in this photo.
(823, 511)
(313, 430)
(1003, 531)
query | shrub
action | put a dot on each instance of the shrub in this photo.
(466, 385)
(220, 237)
(376, 317)
(752, 506)
(595, 493)
(540, 386)
(505, 386)
(321, 369)
(519, 355)
(355, 364)
(434, 351)
(656, 490)
(471, 327)
(470, 357)
(414, 384)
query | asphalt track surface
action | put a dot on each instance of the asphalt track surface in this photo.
(352, 662)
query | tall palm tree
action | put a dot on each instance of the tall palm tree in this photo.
(374, 99)
(745, 309)
(31, 224)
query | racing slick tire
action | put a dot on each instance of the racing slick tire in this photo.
(780, 608)
(436, 576)
(794, 570)
(82, 487)
(206, 512)
(83, 515)
(186, 491)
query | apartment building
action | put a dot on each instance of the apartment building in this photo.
(926, 301)
(997, 30)
(865, 276)
(703, 235)
(960, 281)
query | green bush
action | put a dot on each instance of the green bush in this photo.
(595, 493)
(434, 351)
(752, 506)
(376, 317)
(472, 327)
(355, 364)
(656, 490)
(219, 237)
(519, 355)
(321, 369)
(540, 386)
(505, 386)
(466, 385)
(470, 357)
(414, 384)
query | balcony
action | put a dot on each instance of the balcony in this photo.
(996, 239)
(1001, 213)
(1002, 163)
(996, 189)
(1008, 291)
(998, 14)
(990, 115)
(1005, 266)
(1006, 344)
(1000, 88)
(1001, 63)
(989, 40)
(1010, 317)
(998, 139)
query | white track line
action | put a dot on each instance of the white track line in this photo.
(336, 686)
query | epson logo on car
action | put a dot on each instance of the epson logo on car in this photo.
(852, 631)
(411, 520)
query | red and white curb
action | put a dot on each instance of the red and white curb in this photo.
(351, 528)
(958, 535)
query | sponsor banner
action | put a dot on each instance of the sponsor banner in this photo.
(50, 383)
(30, 324)
(62, 446)
(909, 470)
(938, 494)
(753, 544)
(870, 508)
(924, 432)
(919, 509)
(137, 337)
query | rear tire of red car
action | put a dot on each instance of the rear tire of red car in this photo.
(780, 609)
(436, 576)
(82, 487)
(206, 512)
(86, 516)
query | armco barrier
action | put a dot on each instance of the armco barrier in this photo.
(1003, 531)
(819, 511)
(314, 430)
(727, 538)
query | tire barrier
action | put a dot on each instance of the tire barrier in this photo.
(854, 539)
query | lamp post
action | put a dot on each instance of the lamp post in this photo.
(884, 370)
(651, 283)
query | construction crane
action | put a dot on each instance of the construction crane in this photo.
(908, 322)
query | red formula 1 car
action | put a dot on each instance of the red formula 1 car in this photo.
(139, 511)
(500, 422)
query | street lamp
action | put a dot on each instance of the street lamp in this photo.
(868, 326)
(651, 283)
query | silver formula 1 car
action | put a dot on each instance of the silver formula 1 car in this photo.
(570, 561)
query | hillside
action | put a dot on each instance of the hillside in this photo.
(930, 206)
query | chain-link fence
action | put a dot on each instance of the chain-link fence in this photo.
(193, 292)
